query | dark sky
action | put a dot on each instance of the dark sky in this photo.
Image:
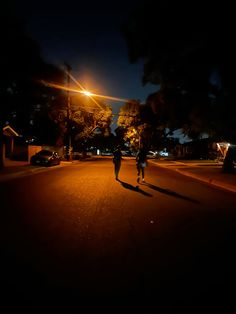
(87, 35)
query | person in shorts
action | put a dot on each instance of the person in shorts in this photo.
(141, 163)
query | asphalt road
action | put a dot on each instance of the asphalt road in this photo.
(75, 236)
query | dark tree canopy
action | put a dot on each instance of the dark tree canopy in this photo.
(188, 49)
(24, 100)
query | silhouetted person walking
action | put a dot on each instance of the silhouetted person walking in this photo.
(141, 163)
(117, 161)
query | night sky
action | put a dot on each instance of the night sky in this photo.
(87, 36)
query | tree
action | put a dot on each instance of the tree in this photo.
(22, 67)
(102, 142)
(187, 49)
(92, 122)
(134, 123)
(86, 119)
(128, 122)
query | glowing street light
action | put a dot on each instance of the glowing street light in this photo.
(85, 92)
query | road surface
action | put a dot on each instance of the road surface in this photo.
(75, 235)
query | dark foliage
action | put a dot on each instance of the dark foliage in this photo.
(188, 49)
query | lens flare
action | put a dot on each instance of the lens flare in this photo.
(87, 93)
(83, 91)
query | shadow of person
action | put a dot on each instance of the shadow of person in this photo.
(171, 193)
(133, 188)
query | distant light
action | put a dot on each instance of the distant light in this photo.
(164, 153)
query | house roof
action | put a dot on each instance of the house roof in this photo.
(8, 131)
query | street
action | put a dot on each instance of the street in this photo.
(75, 234)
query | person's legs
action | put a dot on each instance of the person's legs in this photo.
(143, 174)
(138, 172)
(117, 169)
(115, 164)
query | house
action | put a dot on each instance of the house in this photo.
(205, 148)
(9, 135)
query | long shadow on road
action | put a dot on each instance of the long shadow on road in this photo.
(134, 188)
(171, 193)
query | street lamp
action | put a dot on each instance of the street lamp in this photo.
(85, 92)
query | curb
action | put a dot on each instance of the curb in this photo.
(28, 172)
(18, 174)
(209, 181)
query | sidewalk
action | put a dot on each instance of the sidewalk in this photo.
(14, 169)
(12, 166)
(206, 171)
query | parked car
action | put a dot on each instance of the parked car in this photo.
(45, 158)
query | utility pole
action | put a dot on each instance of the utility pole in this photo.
(68, 115)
